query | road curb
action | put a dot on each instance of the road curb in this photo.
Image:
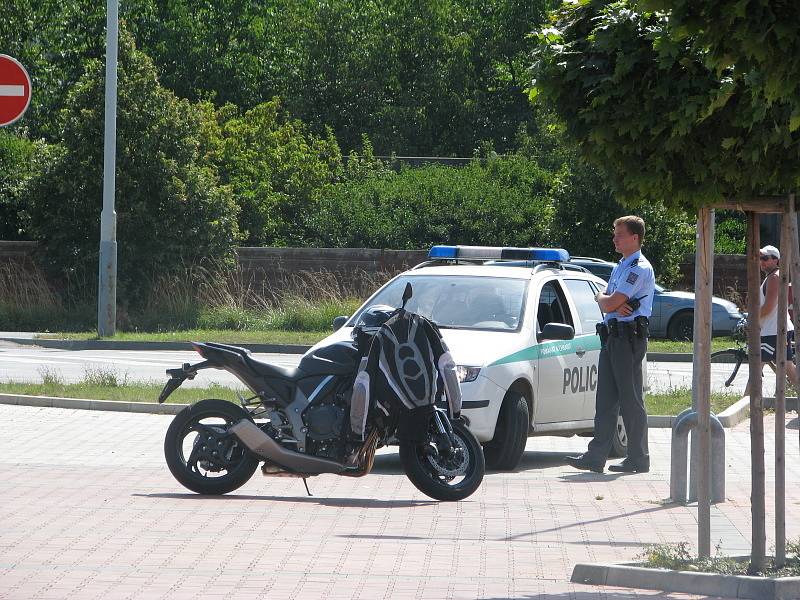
(122, 345)
(279, 348)
(705, 584)
(669, 357)
(87, 404)
(731, 416)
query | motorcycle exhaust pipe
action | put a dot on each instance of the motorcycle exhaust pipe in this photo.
(263, 445)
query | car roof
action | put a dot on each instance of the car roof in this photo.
(512, 270)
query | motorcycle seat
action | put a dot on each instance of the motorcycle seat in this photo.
(269, 371)
(266, 370)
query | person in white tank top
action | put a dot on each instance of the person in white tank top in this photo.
(769, 259)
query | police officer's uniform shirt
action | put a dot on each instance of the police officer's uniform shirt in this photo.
(633, 277)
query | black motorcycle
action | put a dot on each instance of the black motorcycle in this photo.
(297, 422)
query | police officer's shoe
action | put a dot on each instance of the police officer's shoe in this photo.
(582, 463)
(630, 466)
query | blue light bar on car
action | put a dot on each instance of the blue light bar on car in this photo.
(495, 252)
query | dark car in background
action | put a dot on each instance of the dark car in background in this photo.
(673, 312)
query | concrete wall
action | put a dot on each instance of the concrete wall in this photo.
(338, 260)
(730, 272)
(730, 276)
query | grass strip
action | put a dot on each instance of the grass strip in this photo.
(676, 400)
(286, 336)
(132, 392)
(717, 343)
(670, 403)
(225, 336)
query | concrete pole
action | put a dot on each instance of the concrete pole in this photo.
(780, 395)
(107, 287)
(701, 374)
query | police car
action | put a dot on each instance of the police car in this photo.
(520, 325)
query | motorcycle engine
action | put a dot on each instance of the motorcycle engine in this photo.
(326, 426)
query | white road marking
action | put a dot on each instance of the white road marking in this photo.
(12, 90)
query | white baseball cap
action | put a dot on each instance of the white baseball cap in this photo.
(771, 251)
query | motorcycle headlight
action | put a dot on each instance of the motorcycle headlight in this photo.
(467, 374)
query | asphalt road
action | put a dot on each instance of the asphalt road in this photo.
(23, 363)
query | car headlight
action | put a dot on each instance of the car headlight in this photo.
(467, 374)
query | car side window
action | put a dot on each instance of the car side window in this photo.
(552, 306)
(589, 313)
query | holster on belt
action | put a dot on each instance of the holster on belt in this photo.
(641, 326)
(613, 327)
(602, 331)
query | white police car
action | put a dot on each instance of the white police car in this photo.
(520, 325)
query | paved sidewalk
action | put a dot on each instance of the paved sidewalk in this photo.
(89, 510)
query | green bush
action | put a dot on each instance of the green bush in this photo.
(171, 209)
(502, 202)
(274, 168)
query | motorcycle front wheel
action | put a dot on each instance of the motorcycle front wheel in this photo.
(202, 454)
(441, 473)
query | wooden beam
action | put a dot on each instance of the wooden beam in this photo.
(757, 204)
(758, 475)
(701, 373)
(780, 394)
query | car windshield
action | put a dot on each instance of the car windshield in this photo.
(459, 301)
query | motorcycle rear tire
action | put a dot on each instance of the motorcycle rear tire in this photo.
(173, 451)
(422, 474)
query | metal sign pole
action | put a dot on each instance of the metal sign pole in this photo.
(107, 288)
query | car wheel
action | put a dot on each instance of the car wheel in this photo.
(681, 327)
(619, 444)
(505, 450)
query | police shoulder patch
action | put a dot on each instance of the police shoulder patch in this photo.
(632, 277)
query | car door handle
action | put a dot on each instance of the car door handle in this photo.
(580, 351)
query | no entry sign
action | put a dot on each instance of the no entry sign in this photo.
(15, 90)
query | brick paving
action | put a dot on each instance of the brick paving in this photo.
(88, 509)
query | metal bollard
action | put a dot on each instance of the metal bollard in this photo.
(685, 423)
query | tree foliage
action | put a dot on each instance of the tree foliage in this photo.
(274, 168)
(501, 202)
(647, 110)
(170, 207)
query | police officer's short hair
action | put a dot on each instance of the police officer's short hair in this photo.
(634, 224)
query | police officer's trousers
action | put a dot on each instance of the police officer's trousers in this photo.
(619, 389)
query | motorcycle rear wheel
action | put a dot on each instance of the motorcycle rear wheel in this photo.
(441, 478)
(200, 452)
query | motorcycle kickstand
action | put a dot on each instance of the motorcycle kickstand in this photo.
(305, 483)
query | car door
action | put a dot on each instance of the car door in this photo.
(587, 315)
(558, 399)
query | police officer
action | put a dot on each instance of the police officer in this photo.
(627, 303)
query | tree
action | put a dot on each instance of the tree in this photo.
(275, 169)
(654, 100)
(20, 162)
(171, 209)
(645, 109)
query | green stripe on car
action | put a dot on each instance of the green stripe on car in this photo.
(550, 350)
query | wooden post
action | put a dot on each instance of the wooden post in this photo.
(758, 475)
(780, 395)
(795, 270)
(701, 374)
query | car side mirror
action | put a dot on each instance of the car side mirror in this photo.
(556, 331)
(338, 322)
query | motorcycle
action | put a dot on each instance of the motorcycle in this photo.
(297, 423)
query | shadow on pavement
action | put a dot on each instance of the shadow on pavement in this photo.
(623, 515)
(335, 502)
(794, 423)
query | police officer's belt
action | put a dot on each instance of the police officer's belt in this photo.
(636, 328)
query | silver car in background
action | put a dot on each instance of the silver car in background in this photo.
(673, 312)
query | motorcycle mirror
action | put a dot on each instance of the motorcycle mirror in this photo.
(407, 293)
